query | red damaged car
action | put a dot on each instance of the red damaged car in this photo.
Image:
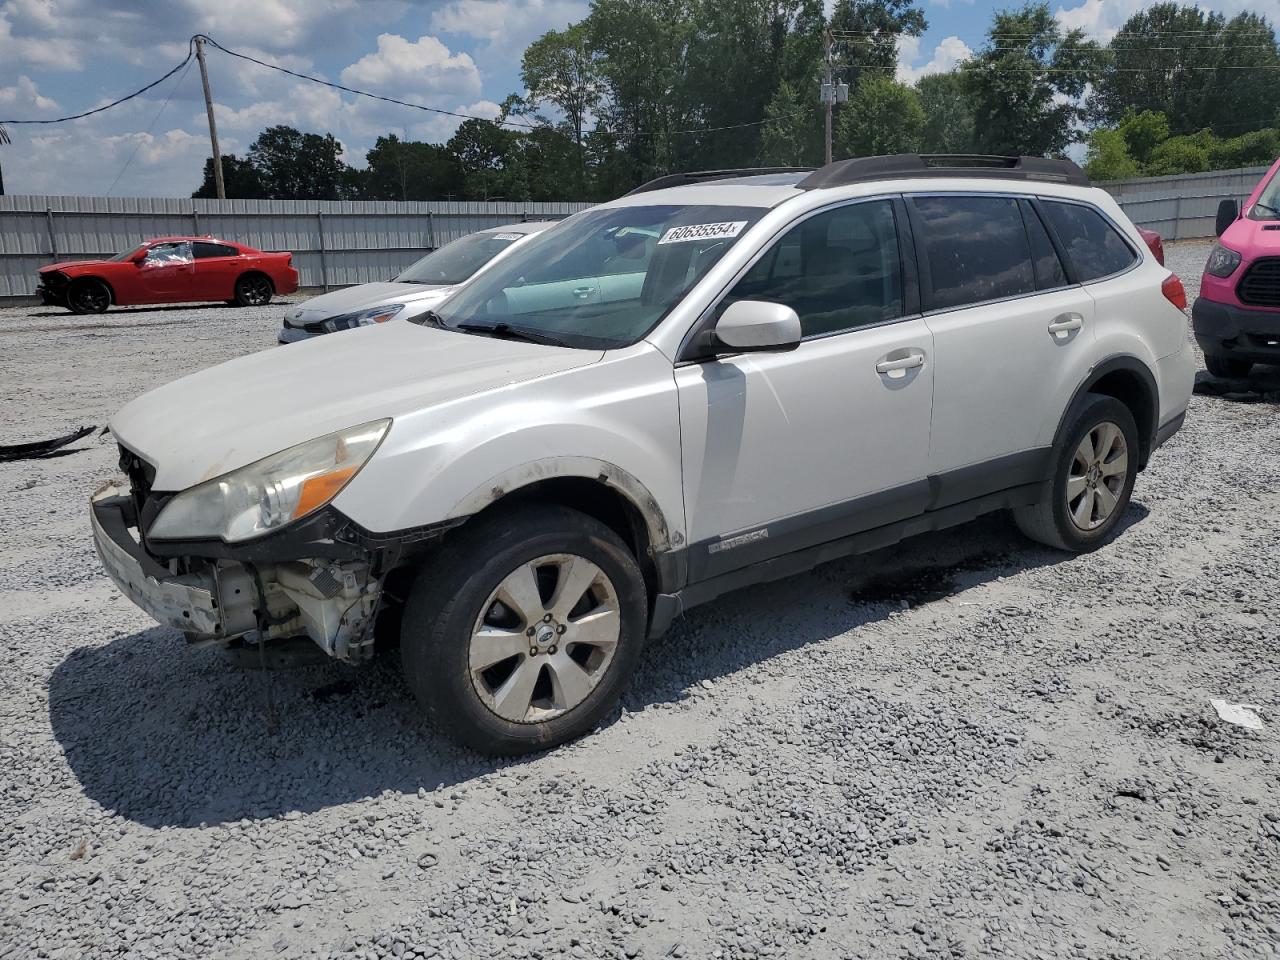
(170, 270)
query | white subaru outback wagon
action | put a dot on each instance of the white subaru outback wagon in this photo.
(716, 380)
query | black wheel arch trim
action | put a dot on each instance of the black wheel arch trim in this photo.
(1122, 363)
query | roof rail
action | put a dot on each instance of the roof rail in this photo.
(701, 176)
(913, 165)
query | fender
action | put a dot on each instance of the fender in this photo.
(1129, 364)
(661, 537)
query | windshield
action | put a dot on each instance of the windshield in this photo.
(1268, 204)
(457, 261)
(602, 278)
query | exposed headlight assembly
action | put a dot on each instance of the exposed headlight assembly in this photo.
(1222, 261)
(363, 318)
(271, 493)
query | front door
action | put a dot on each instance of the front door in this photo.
(167, 274)
(783, 451)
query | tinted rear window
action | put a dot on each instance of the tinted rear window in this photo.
(204, 250)
(1093, 245)
(1049, 272)
(975, 248)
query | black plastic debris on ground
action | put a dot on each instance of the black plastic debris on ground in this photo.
(1258, 388)
(44, 448)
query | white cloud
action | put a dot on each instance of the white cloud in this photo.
(49, 52)
(1102, 19)
(510, 24)
(425, 67)
(25, 95)
(947, 55)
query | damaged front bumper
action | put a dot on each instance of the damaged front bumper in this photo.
(217, 599)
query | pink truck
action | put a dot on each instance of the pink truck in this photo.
(1236, 318)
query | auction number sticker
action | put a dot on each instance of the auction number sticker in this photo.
(703, 231)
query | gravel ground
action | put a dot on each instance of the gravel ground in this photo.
(965, 745)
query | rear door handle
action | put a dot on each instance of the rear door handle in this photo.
(1065, 323)
(909, 362)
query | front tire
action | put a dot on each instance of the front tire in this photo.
(253, 290)
(1095, 462)
(88, 296)
(522, 633)
(1229, 368)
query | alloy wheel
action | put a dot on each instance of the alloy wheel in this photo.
(545, 638)
(1097, 476)
(257, 291)
(90, 298)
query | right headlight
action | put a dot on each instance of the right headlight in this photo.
(363, 318)
(271, 493)
(1222, 261)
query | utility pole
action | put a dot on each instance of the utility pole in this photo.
(828, 90)
(218, 183)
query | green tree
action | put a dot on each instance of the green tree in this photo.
(292, 165)
(1026, 83)
(882, 117)
(867, 32)
(239, 177)
(791, 138)
(410, 170)
(1161, 60)
(1243, 93)
(1185, 154)
(1107, 156)
(1142, 133)
(1256, 148)
(948, 114)
(489, 158)
(561, 69)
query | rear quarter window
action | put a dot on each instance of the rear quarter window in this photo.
(1094, 247)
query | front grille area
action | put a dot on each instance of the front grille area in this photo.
(141, 476)
(1260, 285)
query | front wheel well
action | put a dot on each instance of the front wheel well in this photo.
(111, 291)
(1129, 387)
(596, 499)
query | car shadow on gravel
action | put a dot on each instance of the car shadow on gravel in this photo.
(170, 736)
(155, 308)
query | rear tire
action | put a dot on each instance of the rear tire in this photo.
(498, 656)
(1229, 368)
(1094, 465)
(253, 290)
(88, 295)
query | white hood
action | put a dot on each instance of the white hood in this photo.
(365, 295)
(227, 416)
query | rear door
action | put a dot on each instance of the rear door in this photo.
(783, 451)
(1011, 338)
(216, 268)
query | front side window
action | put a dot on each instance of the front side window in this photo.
(457, 261)
(975, 249)
(1093, 246)
(167, 254)
(602, 278)
(1267, 206)
(838, 270)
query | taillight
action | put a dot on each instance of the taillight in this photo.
(1173, 291)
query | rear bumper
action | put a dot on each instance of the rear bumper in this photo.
(288, 282)
(187, 602)
(1225, 330)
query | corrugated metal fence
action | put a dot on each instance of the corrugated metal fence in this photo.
(340, 242)
(1182, 207)
(335, 243)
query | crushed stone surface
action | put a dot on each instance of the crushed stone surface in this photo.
(963, 746)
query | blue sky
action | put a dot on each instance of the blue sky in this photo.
(65, 56)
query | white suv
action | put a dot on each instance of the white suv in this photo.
(715, 380)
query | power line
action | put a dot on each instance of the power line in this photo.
(154, 121)
(114, 103)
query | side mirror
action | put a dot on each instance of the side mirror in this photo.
(138, 257)
(750, 326)
(1228, 210)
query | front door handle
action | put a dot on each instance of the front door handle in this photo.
(582, 292)
(898, 366)
(1065, 323)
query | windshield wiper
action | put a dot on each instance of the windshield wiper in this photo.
(504, 331)
(1267, 206)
